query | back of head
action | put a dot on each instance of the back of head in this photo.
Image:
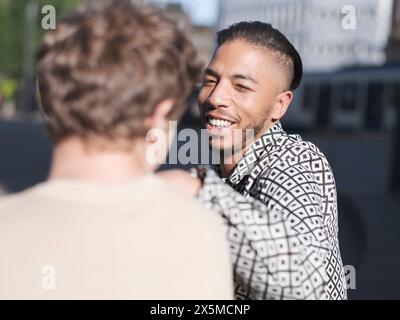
(266, 37)
(105, 68)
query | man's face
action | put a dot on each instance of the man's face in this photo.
(242, 89)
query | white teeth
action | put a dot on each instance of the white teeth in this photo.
(219, 123)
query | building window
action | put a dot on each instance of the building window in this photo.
(349, 96)
(323, 117)
(374, 106)
(308, 97)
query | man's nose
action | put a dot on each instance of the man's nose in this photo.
(219, 97)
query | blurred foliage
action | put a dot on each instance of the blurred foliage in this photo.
(12, 28)
(8, 88)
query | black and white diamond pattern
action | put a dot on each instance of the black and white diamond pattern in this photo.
(280, 209)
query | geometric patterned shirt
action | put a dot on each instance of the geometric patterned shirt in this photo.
(280, 211)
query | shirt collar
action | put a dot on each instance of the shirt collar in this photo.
(245, 165)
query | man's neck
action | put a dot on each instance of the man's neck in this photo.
(73, 159)
(230, 162)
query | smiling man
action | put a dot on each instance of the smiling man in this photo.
(247, 86)
(275, 191)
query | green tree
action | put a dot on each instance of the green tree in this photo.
(13, 28)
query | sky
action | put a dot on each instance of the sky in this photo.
(202, 12)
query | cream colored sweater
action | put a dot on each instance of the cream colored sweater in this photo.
(71, 239)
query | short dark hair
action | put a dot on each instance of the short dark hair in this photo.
(105, 69)
(265, 36)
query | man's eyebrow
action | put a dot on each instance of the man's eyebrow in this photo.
(215, 74)
(244, 77)
(211, 72)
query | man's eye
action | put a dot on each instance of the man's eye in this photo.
(208, 82)
(242, 88)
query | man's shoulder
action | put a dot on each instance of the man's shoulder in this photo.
(293, 147)
(16, 205)
(8, 201)
(293, 152)
(157, 200)
(185, 206)
(297, 145)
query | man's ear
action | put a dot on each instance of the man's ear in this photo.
(281, 105)
(159, 118)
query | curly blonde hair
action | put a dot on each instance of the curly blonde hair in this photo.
(103, 70)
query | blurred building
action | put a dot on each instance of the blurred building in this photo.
(355, 99)
(328, 34)
(345, 47)
(201, 36)
(393, 48)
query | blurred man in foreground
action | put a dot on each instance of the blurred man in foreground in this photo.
(103, 225)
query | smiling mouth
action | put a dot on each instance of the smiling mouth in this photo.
(219, 123)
